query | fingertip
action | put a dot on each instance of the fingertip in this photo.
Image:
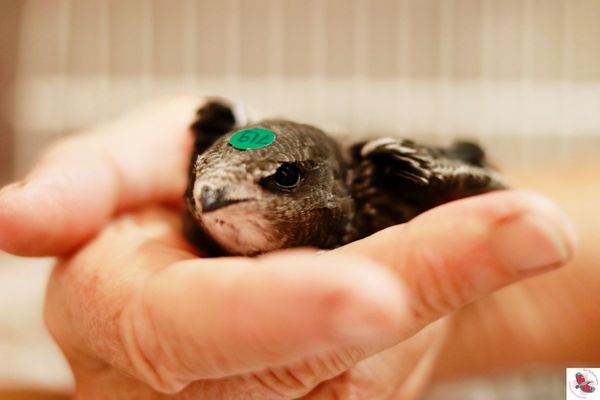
(515, 232)
(556, 216)
(534, 237)
(50, 213)
(533, 219)
(19, 234)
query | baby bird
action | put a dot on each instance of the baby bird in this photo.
(277, 184)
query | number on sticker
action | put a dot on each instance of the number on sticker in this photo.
(253, 138)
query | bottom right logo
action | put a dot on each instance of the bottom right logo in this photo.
(582, 383)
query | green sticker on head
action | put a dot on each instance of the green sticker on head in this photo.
(252, 138)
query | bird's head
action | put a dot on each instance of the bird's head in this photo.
(272, 185)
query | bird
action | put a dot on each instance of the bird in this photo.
(274, 184)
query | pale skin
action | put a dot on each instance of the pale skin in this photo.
(139, 315)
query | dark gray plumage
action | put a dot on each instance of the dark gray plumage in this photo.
(305, 189)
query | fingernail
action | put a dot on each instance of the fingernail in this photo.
(12, 187)
(21, 191)
(531, 242)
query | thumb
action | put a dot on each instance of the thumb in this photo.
(456, 253)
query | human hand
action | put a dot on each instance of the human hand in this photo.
(138, 313)
(84, 180)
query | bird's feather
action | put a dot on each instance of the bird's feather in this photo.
(347, 193)
(393, 180)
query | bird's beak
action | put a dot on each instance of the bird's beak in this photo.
(212, 199)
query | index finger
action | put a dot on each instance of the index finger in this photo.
(84, 180)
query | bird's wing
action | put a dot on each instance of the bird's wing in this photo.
(393, 179)
(214, 118)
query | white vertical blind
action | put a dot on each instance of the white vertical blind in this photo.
(504, 71)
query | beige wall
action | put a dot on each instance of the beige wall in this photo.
(10, 12)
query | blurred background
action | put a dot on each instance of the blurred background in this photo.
(520, 76)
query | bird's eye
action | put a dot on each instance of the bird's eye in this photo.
(287, 176)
